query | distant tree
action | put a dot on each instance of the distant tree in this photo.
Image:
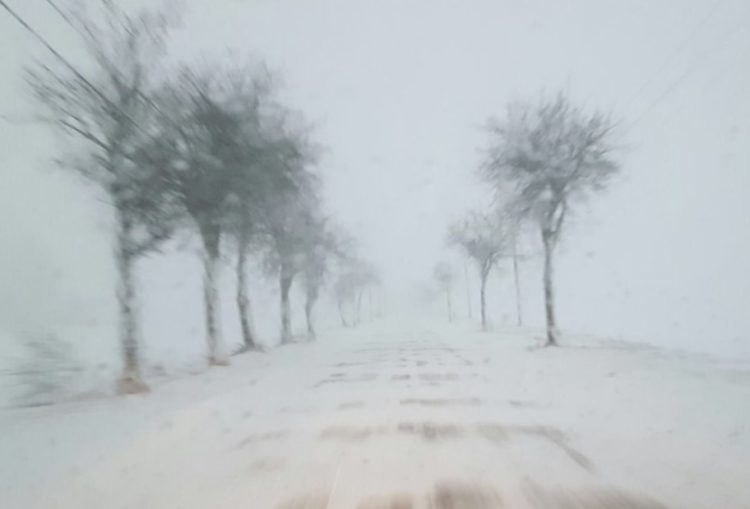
(325, 245)
(260, 179)
(211, 117)
(110, 111)
(250, 184)
(315, 266)
(515, 230)
(483, 239)
(355, 277)
(244, 231)
(368, 278)
(204, 139)
(287, 221)
(443, 274)
(343, 290)
(545, 157)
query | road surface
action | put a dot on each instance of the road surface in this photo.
(399, 418)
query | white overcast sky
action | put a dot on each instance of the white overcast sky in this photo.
(399, 91)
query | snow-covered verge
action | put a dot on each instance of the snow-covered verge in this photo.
(45, 359)
(393, 414)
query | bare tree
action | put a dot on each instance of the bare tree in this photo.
(325, 245)
(507, 216)
(355, 277)
(483, 239)
(547, 156)
(285, 230)
(368, 277)
(248, 187)
(110, 111)
(211, 118)
(287, 220)
(343, 290)
(443, 274)
(315, 267)
(314, 271)
(260, 178)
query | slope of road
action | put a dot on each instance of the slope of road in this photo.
(397, 417)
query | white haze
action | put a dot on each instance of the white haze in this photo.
(399, 91)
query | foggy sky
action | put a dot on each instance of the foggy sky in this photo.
(399, 91)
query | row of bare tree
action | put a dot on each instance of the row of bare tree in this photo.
(208, 149)
(542, 159)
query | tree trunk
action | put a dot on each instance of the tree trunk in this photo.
(312, 297)
(448, 302)
(131, 381)
(216, 354)
(468, 289)
(285, 283)
(358, 311)
(549, 291)
(243, 301)
(369, 303)
(340, 305)
(519, 314)
(482, 301)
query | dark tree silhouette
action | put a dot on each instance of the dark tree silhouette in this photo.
(544, 158)
(110, 110)
(482, 238)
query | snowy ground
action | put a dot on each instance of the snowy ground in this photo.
(399, 417)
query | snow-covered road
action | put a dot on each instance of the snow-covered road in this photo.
(397, 417)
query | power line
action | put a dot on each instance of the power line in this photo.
(715, 75)
(685, 74)
(79, 28)
(75, 27)
(680, 47)
(72, 68)
(57, 54)
(62, 13)
(736, 54)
